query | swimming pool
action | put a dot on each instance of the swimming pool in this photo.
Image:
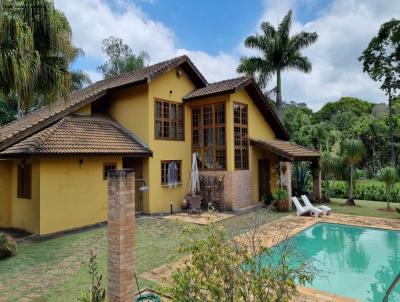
(358, 262)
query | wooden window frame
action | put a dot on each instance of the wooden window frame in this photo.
(214, 126)
(24, 181)
(169, 120)
(244, 142)
(106, 168)
(165, 177)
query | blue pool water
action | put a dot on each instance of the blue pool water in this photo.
(357, 262)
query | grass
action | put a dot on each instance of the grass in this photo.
(364, 208)
(56, 269)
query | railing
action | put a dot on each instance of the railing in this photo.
(391, 287)
(139, 183)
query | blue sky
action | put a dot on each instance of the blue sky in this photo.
(211, 33)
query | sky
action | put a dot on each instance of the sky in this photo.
(211, 33)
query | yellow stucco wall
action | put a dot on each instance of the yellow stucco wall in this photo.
(258, 128)
(172, 88)
(85, 110)
(25, 213)
(5, 193)
(73, 194)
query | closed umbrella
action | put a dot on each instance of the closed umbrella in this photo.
(194, 176)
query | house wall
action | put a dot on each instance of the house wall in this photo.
(5, 193)
(72, 194)
(25, 213)
(169, 87)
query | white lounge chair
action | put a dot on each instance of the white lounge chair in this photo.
(325, 209)
(304, 210)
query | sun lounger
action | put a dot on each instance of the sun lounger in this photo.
(305, 210)
(325, 209)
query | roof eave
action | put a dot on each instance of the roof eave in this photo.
(74, 154)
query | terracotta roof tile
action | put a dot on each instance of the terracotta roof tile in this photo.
(219, 87)
(286, 149)
(77, 134)
(78, 99)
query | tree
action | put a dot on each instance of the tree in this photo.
(120, 58)
(353, 153)
(381, 60)
(331, 166)
(240, 269)
(8, 109)
(279, 52)
(79, 79)
(36, 50)
(389, 176)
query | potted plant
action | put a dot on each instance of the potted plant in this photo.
(280, 200)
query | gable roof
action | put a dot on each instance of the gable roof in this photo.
(286, 149)
(47, 115)
(248, 83)
(80, 135)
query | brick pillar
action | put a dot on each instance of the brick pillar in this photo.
(288, 181)
(121, 236)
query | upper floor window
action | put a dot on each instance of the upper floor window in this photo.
(241, 137)
(169, 120)
(208, 136)
(24, 181)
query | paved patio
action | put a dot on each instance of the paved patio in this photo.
(203, 218)
(276, 231)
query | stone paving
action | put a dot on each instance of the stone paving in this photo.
(276, 231)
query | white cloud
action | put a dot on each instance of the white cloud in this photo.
(344, 27)
(94, 20)
(344, 30)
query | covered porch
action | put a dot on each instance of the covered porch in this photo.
(287, 153)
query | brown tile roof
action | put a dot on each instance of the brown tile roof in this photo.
(248, 83)
(286, 149)
(226, 86)
(81, 135)
(43, 117)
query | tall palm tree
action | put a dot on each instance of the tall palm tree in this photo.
(353, 153)
(389, 176)
(279, 52)
(36, 50)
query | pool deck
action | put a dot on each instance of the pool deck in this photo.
(272, 233)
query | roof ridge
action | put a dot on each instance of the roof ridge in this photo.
(231, 79)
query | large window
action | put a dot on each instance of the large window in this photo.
(208, 136)
(24, 181)
(241, 139)
(171, 173)
(168, 120)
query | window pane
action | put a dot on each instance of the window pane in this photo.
(172, 130)
(208, 159)
(244, 137)
(237, 136)
(180, 130)
(158, 110)
(220, 159)
(244, 115)
(196, 117)
(158, 129)
(173, 111)
(220, 136)
(236, 113)
(220, 114)
(195, 138)
(165, 129)
(180, 112)
(207, 116)
(166, 109)
(238, 159)
(245, 159)
(208, 137)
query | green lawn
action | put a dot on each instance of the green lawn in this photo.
(56, 270)
(364, 208)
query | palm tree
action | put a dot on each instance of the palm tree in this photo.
(279, 51)
(35, 39)
(331, 166)
(389, 176)
(353, 153)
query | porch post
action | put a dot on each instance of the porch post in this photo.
(121, 236)
(316, 172)
(287, 175)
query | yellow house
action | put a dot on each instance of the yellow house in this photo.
(54, 161)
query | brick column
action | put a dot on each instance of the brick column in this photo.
(121, 236)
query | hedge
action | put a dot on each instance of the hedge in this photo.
(362, 191)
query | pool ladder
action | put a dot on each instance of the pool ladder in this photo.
(391, 287)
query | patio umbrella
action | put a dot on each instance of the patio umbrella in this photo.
(194, 176)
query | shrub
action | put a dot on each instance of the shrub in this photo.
(224, 269)
(96, 292)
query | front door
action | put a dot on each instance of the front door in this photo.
(263, 179)
(136, 164)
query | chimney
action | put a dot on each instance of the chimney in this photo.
(121, 236)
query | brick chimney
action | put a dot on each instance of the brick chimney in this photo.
(121, 236)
